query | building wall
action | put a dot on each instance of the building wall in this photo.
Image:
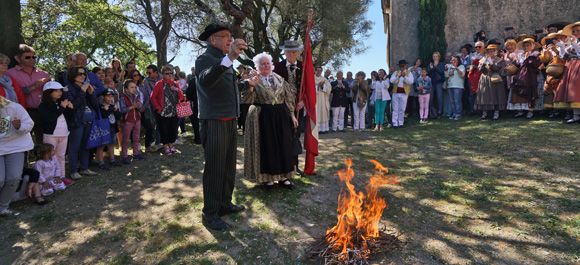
(465, 17)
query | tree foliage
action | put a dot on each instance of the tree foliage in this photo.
(56, 28)
(431, 28)
(339, 31)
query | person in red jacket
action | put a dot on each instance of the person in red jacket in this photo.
(165, 97)
(9, 88)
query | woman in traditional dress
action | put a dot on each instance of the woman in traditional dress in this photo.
(491, 93)
(550, 54)
(524, 88)
(568, 93)
(268, 153)
(509, 58)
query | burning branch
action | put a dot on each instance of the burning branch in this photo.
(356, 235)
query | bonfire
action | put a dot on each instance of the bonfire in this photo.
(357, 236)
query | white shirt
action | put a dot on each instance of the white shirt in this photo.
(61, 129)
(15, 141)
(408, 79)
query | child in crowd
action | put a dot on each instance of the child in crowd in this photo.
(110, 110)
(424, 91)
(131, 109)
(50, 172)
(53, 110)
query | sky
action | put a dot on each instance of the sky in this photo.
(372, 59)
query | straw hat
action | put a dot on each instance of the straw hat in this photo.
(551, 36)
(530, 40)
(568, 29)
(523, 37)
(492, 46)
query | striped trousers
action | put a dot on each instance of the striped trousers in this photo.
(219, 141)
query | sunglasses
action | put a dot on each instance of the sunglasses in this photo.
(167, 73)
(149, 73)
(83, 73)
(136, 75)
(30, 57)
(478, 47)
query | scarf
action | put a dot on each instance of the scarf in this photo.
(7, 84)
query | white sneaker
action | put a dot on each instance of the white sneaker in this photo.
(389, 125)
(178, 142)
(76, 175)
(530, 115)
(6, 213)
(184, 134)
(88, 172)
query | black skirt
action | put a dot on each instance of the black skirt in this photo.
(276, 155)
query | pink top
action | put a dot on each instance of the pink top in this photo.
(25, 80)
(47, 169)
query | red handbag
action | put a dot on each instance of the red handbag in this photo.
(184, 109)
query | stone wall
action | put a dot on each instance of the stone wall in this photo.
(465, 17)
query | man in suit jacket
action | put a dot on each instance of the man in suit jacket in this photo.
(218, 99)
(291, 70)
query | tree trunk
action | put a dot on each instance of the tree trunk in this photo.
(10, 28)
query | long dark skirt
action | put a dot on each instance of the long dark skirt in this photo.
(268, 149)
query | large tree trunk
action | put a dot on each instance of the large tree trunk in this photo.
(10, 28)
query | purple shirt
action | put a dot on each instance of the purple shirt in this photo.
(25, 80)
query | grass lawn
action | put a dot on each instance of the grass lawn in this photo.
(469, 192)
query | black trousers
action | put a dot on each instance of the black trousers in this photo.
(167, 129)
(219, 141)
(194, 122)
(149, 130)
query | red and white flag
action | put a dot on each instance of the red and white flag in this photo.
(309, 97)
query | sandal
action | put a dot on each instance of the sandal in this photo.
(43, 202)
(286, 184)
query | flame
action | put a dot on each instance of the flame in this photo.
(358, 214)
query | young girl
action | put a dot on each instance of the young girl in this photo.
(424, 92)
(53, 111)
(49, 170)
(110, 110)
(131, 109)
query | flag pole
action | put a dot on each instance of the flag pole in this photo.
(306, 38)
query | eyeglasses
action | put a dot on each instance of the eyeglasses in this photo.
(224, 36)
(149, 73)
(167, 73)
(30, 57)
(83, 73)
(478, 47)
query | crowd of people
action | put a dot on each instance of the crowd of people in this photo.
(47, 124)
(529, 75)
(523, 76)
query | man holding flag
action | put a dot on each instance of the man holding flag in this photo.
(302, 77)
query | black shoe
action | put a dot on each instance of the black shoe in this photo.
(215, 224)
(115, 164)
(197, 141)
(268, 187)
(299, 172)
(233, 209)
(104, 167)
(289, 186)
(43, 202)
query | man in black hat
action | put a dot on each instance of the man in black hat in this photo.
(291, 70)
(218, 99)
(402, 81)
